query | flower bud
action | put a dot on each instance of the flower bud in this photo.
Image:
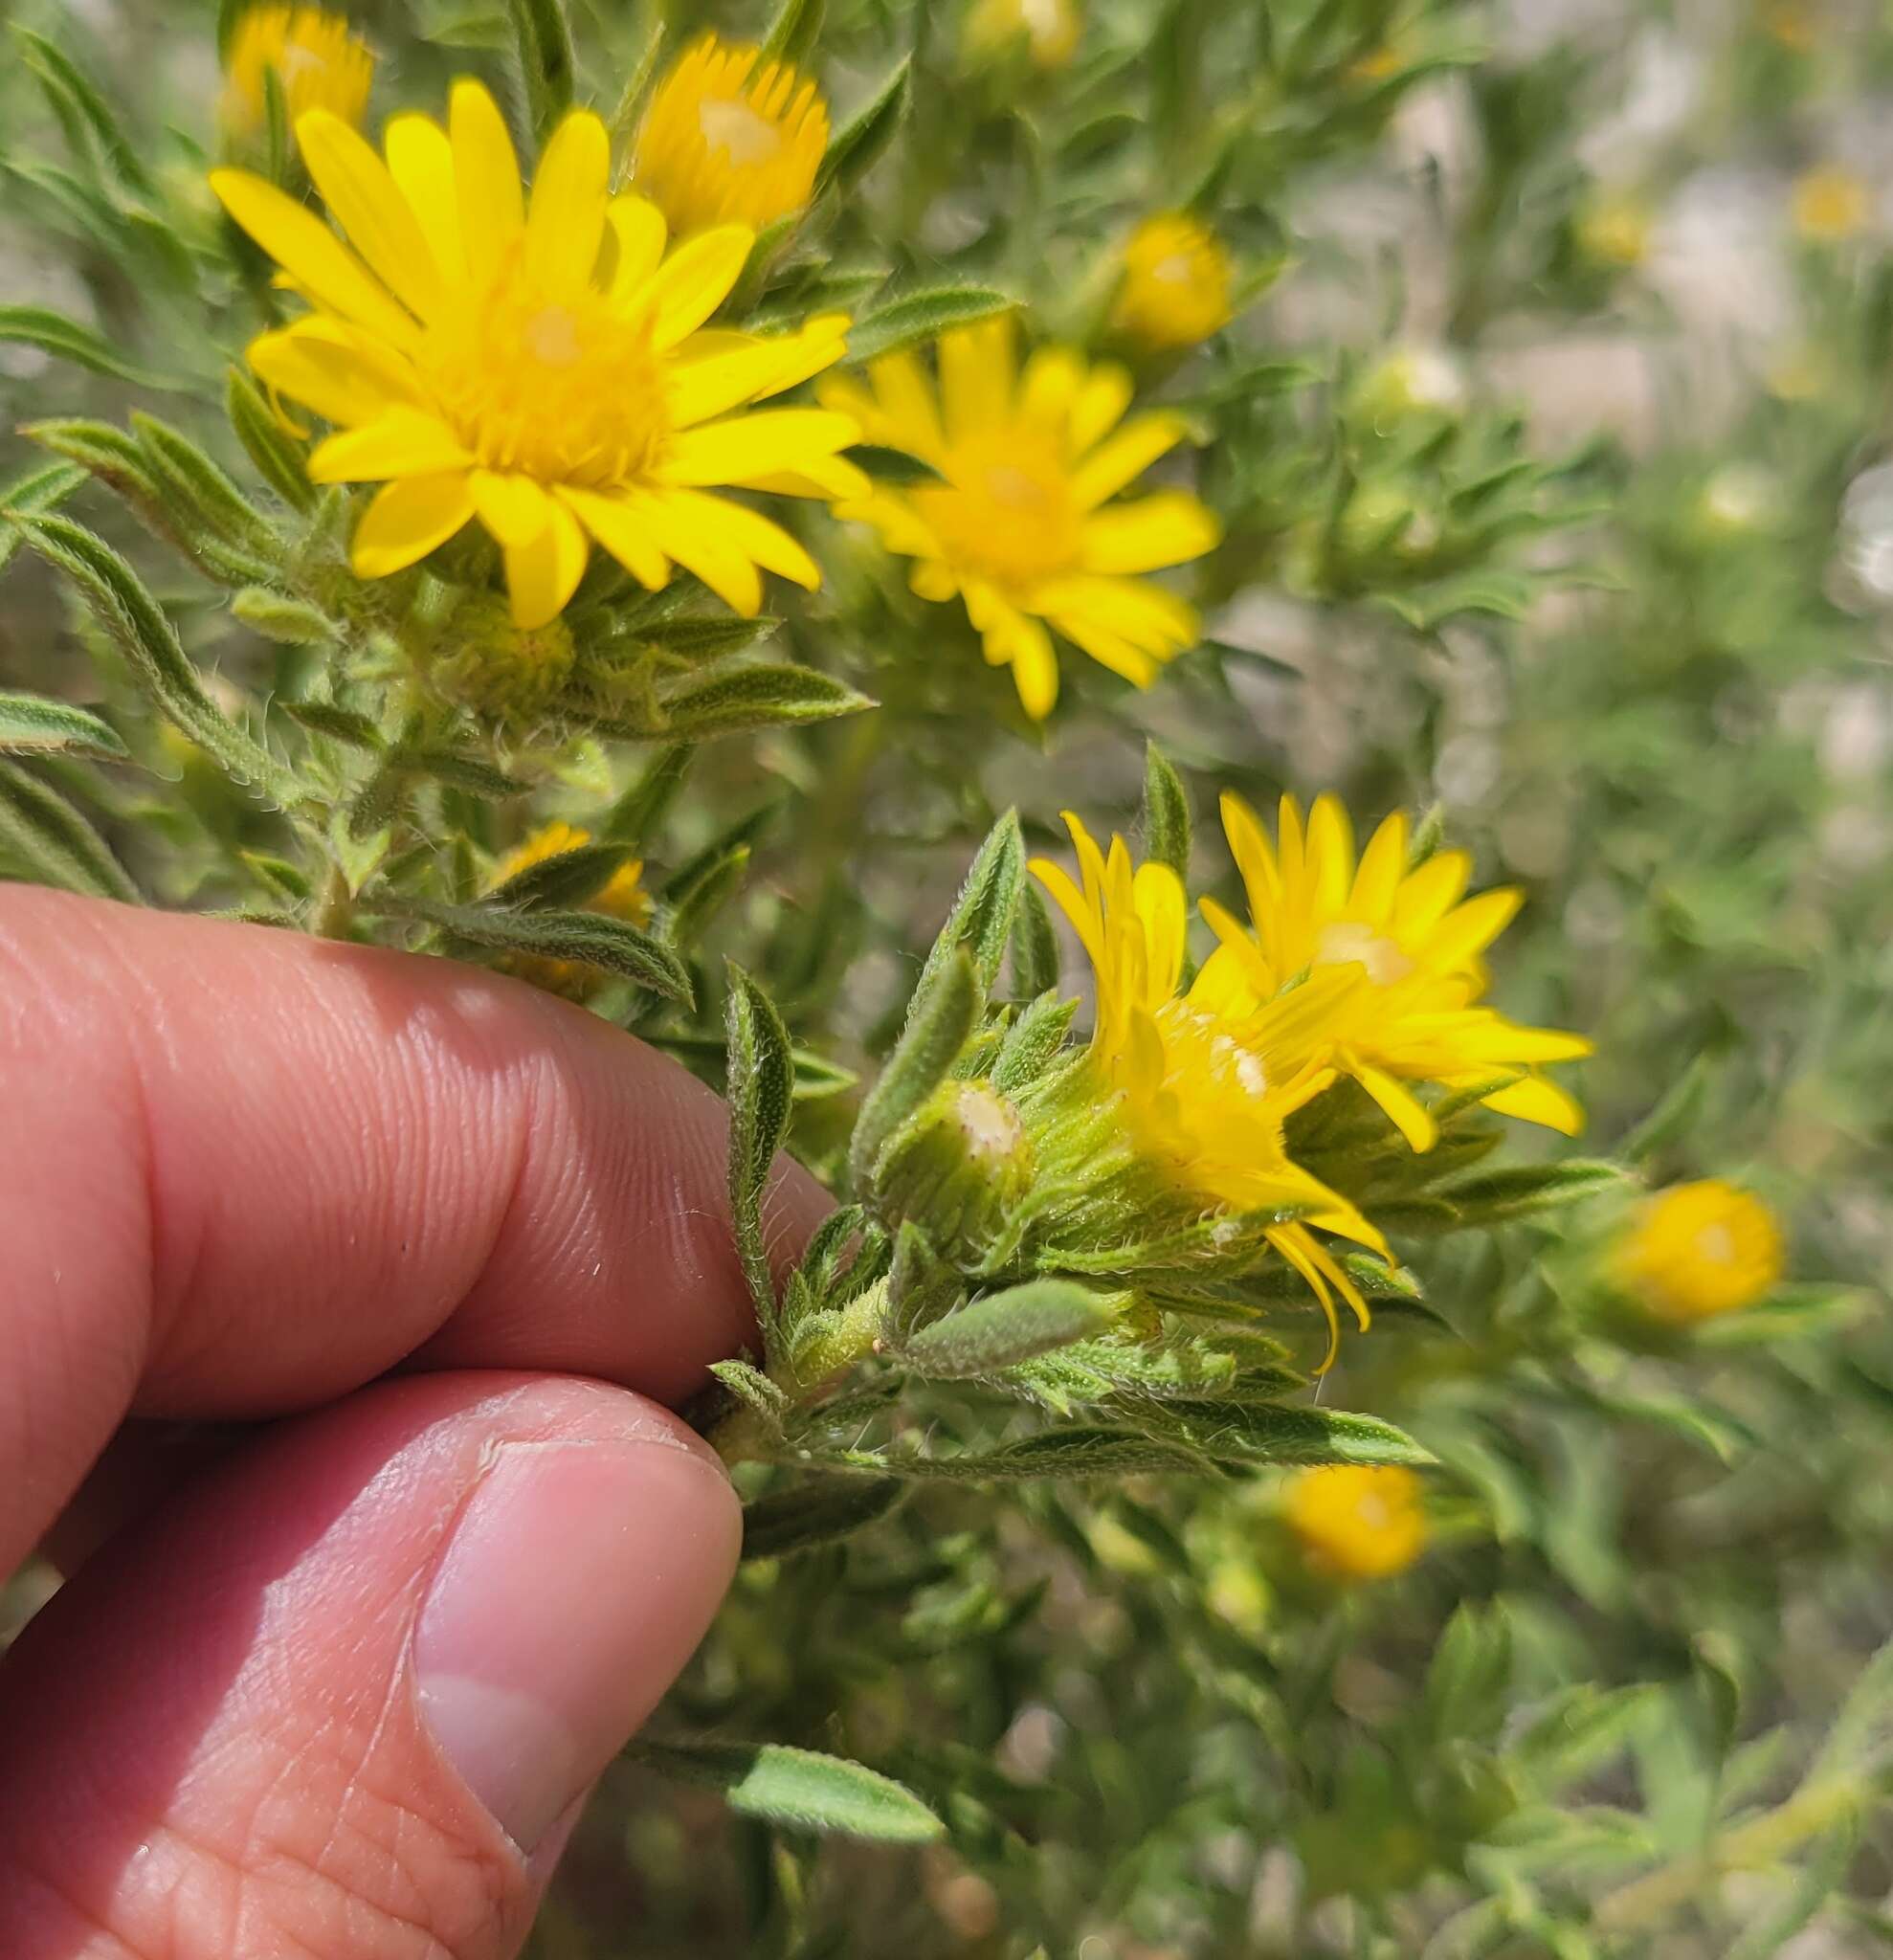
(1356, 1522)
(505, 671)
(959, 1166)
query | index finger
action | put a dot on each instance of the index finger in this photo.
(243, 1172)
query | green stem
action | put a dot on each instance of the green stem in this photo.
(742, 1436)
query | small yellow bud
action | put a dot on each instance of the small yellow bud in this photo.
(1614, 230)
(1175, 284)
(1358, 1522)
(319, 64)
(1698, 1250)
(1831, 205)
(1049, 28)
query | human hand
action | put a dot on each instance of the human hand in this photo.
(451, 1245)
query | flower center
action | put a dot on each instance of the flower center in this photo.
(564, 390)
(1179, 269)
(1005, 511)
(746, 137)
(1347, 943)
(1715, 1245)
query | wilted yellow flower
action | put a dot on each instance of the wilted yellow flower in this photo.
(537, 365)
(1413, 941)
(1175, 289)
(317, 62)
(1204, 1078)
(623, 897)
(1698, 1250)
(1358, 1521)
(1049, 28)
(1831, 205)
(1613, 228)
(730, 137)
(1021, 524)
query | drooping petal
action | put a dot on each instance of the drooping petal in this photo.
(675, 520)
(1409, 1116)
(365, 200)
(486, 176)
(1107, 648)
(515, 508)
(622, 531)
(1170, 527)
(408, 519)
(543, 574)
(1466, 931)
(420, 158)
(403, 442)
(1535, 1100)
(754, 535)
(565, 222)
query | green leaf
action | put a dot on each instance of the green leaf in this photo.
(338, 724)
(942, 1020)
(65, 84)
(200, 496)
(569, 879)
(66, 340)
(737, 698)
(286, 881)
(797, 1789)
(44, 488)
(1269, 1433)
(543, 41)
(276, 455)
(858, 144)
(1518, 1190)
(760, 1089)
(1002, 1329)
(1166, 813)
(695, 903)
(1053, 1453)
(229, 14)
(816, 1513)
(287, 621)
(1464, 1697)
(53, 844)
(472, 773)
(982, 916)
(1035, 945)
(149, 642)
(31, 725)
(610, 945)
(794, 32)
(637, 812)
(751, 1387)
(703, 637)
(920, 316)
(1032, 1042)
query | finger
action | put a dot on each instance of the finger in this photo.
(242, 1171)
(338, 1701)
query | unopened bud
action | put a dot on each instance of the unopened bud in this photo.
(960, 1166)
(498, 669)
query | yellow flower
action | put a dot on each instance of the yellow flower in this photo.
(623, 897)
(319, 64)
(1050, 29)
(1414, 942)
(539, 364)
(1697, 1250)
(1021, 524)
(1204, 1078)
(1359, 1522)
(1831, 205)
(1174, 291)
(1613, 228)
(731, 138)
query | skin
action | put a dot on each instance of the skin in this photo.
(344, 1300)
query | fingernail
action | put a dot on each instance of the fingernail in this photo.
(577, 1582)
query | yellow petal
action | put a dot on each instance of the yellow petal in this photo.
(406, 520)
(1028, 648)
(1331, 853)
(313, 256)
(486, 176)
(674, 518)
(1382, 865)
(1466, 931)
(1099, 405)
(907, 401)
(565, 222)
(694, 281)
(752, 534)
(639, 229)
(622, 531)
(365, 200)
(420, 158)
(977, 375)
(1408, 1114)
(1170, 528)
(514, 509)
(403, 442)
(542, 575)
(1127, 609)
(747, 446)
(1535, 1100)
(320, 363)
(1109, 648)
(1124, 456)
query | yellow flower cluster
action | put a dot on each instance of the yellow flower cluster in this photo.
(1358, 1522)
(1369, 970)
(1700, 1250)
(316, 61)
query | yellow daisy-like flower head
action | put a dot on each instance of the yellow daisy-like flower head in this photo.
(730, 137)
(1613, 228)
(1204, 1078)
(1024, 521)
(317, 62)
(1832, 206)
(1700, 1250)
(1175, 288)
(623, 897)
(1048, 28)
(1412, 938)
(1358, 1522)
(540, 364)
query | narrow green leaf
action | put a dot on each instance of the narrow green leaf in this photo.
(49, 842)
(793, 32)
(32, 724)
(60, 77)
(472, 773)
(1518, 1190)
(982, 916)
(67, 340)
(695, 904)
(1033, 1041)
(229, 14)
(338, 724)
(699, 636)
(543, 40)
(610, 945)
(920, 316)
(1166, 813)
(1002, 1330)
(754, 1388)
(637, 814)
(730, 702)
(287, 621)
(860, 143)
(797, 1789)
(816, 1513)
(1035, 945)
(191, 479)
(276, 455)
(761, 1081)
(286, 881)
(1268, 1432)
(569, 879)
(44, 488)
(941, 1021)
(1082, 1452)
(139, 628)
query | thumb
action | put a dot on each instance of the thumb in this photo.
(342, 1698)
